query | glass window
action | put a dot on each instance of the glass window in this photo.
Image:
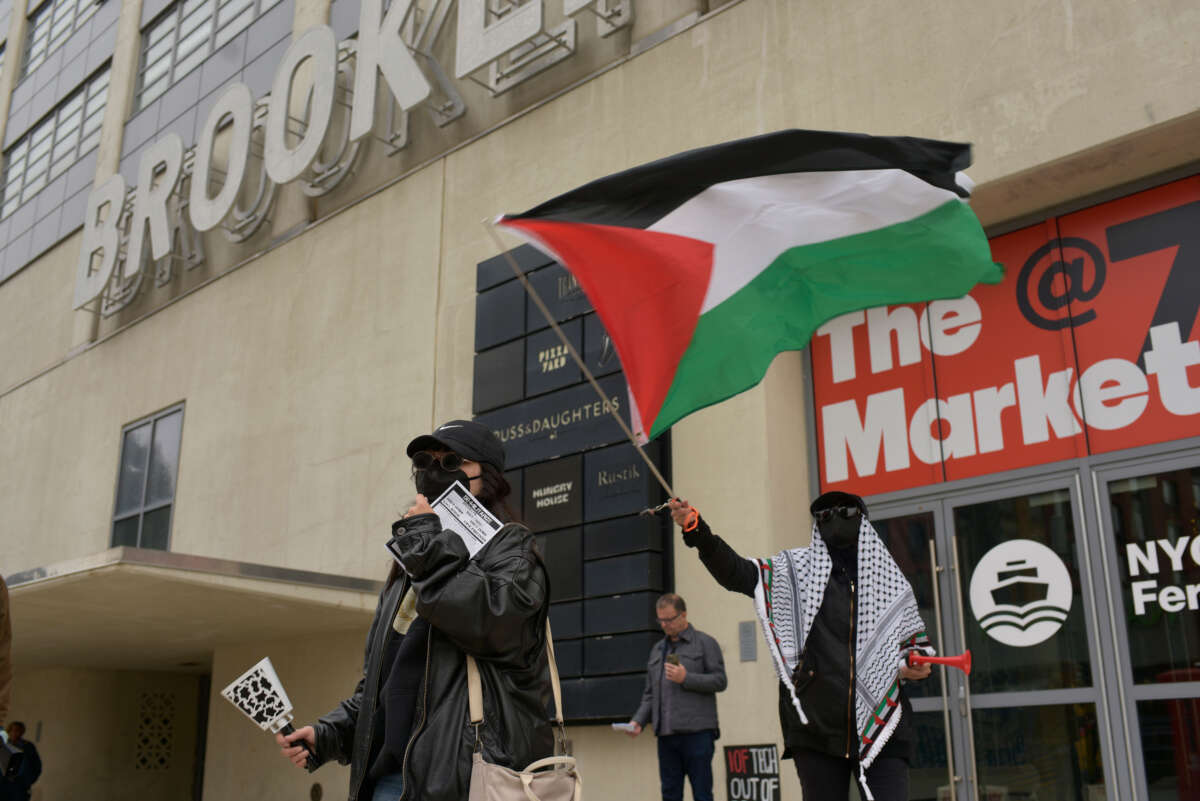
(186, 34)
(1171, 747)
(1155, 522)
(51, 24)
(54, 144)
(1020, 584)
(146, 483)
(1039, 752)
(908, 538)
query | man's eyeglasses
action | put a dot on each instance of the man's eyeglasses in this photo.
(844, 512)
(662, 621)
(423, 460)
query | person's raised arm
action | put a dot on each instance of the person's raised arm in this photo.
(491, 613)
(731, 570)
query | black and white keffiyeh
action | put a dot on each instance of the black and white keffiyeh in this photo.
(791, 586)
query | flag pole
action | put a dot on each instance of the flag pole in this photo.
(537, 301)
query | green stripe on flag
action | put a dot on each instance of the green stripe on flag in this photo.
(941, 254)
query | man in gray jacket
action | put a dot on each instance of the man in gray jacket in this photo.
(683, 675)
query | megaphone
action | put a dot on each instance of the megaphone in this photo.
(259, 695)
(962, 661)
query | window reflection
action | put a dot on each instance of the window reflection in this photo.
(1062, 659)
(1039, 753)
(1171, 748)
(908, 537)
(1155, 525)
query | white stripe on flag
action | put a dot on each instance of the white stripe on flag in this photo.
(753, 220)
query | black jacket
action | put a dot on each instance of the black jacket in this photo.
(822, 679)
(494, 607)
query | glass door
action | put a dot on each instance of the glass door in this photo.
(1005, 574)
(1150, 513)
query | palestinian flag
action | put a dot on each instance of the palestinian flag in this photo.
(705, 265)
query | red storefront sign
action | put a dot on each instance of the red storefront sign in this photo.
(1090, 344)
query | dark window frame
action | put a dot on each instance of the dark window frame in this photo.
(142, 509)
(43, 14)
(167, 26)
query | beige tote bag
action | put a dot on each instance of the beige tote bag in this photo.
(551, 779)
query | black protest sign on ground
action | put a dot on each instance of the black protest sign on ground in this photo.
(752, 772)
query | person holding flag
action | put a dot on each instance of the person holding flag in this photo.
(840, 619)
(705, 265)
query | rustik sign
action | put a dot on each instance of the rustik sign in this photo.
(1090, 344)
(127, 228)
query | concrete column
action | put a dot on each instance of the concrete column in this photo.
(122, 80)
(14, 51)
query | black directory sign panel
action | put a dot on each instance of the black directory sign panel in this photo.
(561, 293)
(623, 535)
(622, 574)
(548, 363)
(499, 315)
(561, 553)
(553, 494)
(499, 376)
(573, 481)
(618, 482)
(599, 353)
(751, 773)
(516, 483)
(568, 421)
(618, 653)
(497, 269)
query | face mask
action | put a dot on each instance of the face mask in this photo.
(435, 480)
(838, 532)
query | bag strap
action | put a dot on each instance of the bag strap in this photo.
(475, 686)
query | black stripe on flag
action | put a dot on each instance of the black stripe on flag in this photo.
(640, 196)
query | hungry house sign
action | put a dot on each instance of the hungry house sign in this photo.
(1090, 344)
(327, 100)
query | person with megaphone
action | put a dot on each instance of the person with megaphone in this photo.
(841, 621)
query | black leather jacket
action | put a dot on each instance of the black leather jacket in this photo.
(822, 679)
(494, 607)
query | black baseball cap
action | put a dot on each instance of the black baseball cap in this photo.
(467, 438)
(833, 499)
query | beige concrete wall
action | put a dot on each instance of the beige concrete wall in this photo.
(303, 376)
(34, 342)
(306, 371)
(87, 723)
(242, 761)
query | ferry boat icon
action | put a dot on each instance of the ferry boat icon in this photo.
(1019, 585)
(1020, 599)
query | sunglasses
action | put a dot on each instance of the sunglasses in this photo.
(423, 460)
(844, 512)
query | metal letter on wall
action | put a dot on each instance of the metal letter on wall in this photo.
(285, 164)
(382, 51)
(187, 245)
(329, 173)
(481, 42)
(237, 103)
(248, 219)
(611, 15)
(164, 158)
(101, 240)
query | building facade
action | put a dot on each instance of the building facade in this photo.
(242, 263)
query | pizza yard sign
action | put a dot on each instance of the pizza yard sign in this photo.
(1091, 344)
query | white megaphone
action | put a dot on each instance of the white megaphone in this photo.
(259, 695)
